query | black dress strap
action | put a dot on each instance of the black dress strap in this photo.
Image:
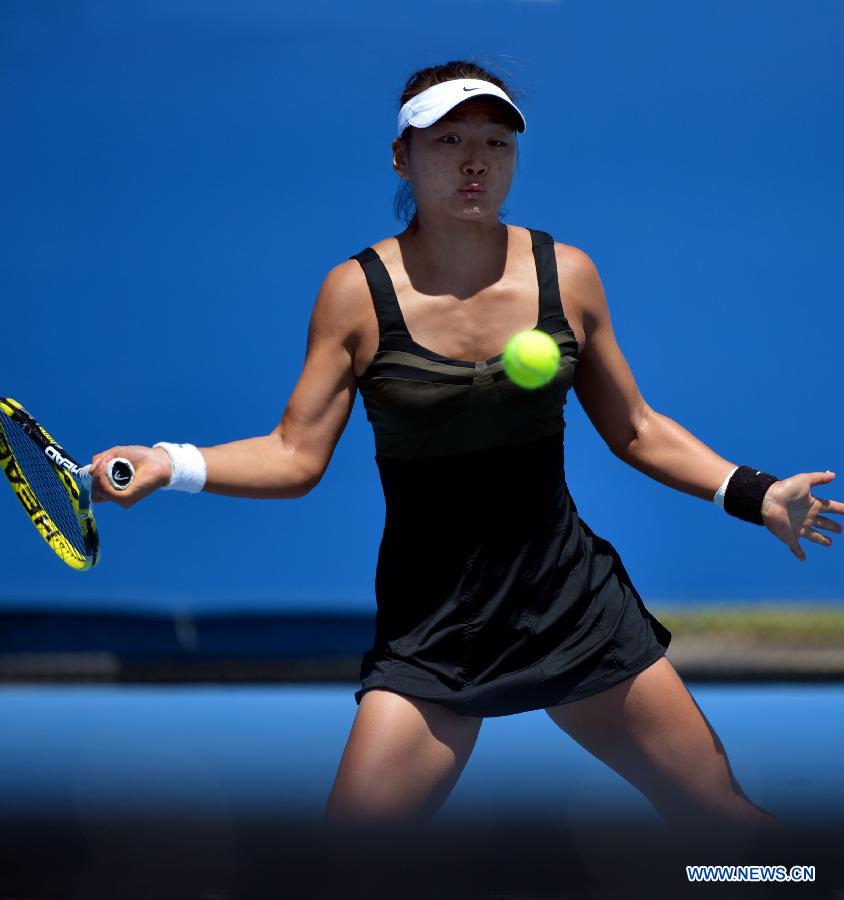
(390, 319)
(550, 302)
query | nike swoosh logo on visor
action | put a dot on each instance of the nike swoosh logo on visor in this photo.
(471, 89)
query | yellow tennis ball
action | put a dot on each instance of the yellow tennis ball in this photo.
(531, 358)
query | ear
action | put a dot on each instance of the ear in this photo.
(400, 159)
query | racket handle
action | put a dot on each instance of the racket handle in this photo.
(120, 472)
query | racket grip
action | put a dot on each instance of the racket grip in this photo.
(120, 473)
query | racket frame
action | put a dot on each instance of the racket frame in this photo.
(66, 468)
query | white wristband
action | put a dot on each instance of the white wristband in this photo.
(189, 472)
(718, 499)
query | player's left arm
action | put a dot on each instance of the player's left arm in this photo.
(654, 443)
(607, 391)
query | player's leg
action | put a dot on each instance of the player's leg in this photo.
(401, 760)
(651, 731)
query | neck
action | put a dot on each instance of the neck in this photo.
(454, 252)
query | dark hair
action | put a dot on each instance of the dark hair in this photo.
(404, 203)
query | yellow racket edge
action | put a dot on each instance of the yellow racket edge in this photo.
(26, 494)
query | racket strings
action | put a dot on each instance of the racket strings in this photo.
(45, 482)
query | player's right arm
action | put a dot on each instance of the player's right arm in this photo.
(290, 460)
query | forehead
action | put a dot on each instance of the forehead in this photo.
(481, 109)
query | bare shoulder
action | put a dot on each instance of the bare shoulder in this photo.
(341, 312)
(574, 264)
(344, 301)
(344, 314)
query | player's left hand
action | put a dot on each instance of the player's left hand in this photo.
(791, 511)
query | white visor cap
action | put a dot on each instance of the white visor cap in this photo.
(432, 104)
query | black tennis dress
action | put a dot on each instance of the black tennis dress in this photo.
(493, 595)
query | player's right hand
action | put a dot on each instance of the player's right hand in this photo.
(153, 470)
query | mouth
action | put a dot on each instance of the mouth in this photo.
(471, 190)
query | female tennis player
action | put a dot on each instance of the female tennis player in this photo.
(493, 595)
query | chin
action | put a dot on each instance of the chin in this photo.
(478, 210)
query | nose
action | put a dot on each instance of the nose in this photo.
(474, 166)
(473, 163)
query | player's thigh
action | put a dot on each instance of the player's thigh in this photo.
(651, 731)
(402, 758)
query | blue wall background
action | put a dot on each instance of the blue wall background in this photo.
(179, 176)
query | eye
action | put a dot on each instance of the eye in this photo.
(456, 140)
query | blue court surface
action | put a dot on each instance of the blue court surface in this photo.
(274, 750)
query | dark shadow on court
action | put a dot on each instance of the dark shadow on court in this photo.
(182, 859)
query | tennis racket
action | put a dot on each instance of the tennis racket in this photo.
(52, 487)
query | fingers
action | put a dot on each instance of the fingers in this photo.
(797, 550)
(801, 518)
(827, 524)
(817, 538)
(818, 479)
(821, 477)
(152, 471)
(101, 489)
(830, 506)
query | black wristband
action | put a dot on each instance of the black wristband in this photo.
(745, 490)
